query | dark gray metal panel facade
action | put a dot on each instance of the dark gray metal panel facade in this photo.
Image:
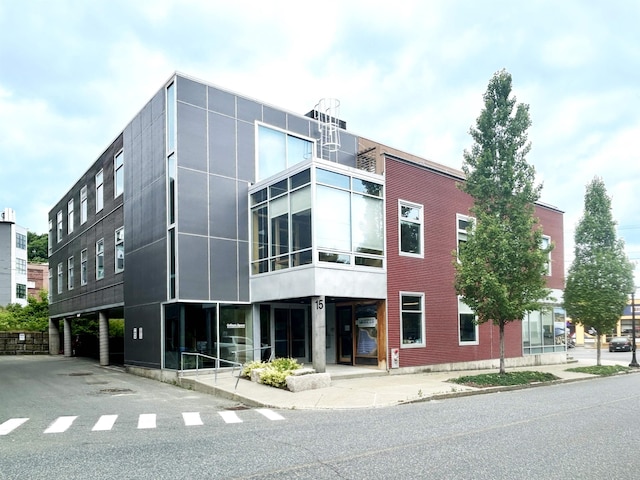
(100, 225)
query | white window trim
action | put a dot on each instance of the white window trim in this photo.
(406, 203)
(115, 256)
(59, 226)
(60, 278)
(115, 173)
(70, 211)
(101, 241)
(84, 205)
(548, 238)
(101, 184)
(84, 254)
(464, 308)
(466, 218)
(422, 321)
(70, 273)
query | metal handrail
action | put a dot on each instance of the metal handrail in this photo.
(266, 347)
(216, 368)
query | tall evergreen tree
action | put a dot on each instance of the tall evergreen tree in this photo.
(601, 276)
(500, 272)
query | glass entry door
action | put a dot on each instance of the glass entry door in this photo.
(344, 317)
(290, 333)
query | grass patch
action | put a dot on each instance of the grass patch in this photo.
(505, 379)
(602, 370)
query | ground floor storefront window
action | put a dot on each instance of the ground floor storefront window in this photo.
(544, 331)
(216, 331)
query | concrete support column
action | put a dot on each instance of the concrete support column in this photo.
(67, 337)
(54, 337)
(103, 329)
(319, 333)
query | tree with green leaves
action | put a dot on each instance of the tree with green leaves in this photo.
(601, 276)
(500, 269)
(38, 246)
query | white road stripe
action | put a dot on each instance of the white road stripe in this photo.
(61, 424)
(230, 417)
(191, 418)
(147, 420)
(11, 424)
(270, 414)
(105, 422)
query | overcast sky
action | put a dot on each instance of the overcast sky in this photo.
(410, 74)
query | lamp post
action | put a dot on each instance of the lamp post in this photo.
(634, 362)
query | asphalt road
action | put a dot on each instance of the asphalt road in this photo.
(579, 430)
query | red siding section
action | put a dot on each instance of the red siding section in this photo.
(433, 275)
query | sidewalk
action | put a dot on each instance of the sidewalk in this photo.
(360, 387)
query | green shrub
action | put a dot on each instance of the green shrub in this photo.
(275, 373)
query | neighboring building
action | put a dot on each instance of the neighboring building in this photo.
(13, 260)
(37, 278)
(250, 225)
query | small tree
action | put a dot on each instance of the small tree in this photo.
(601, 276)
(501, 267)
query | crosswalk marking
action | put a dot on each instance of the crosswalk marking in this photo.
(61, 424)
(105, 422)
(270, 414)
(230, 417)
(11, 424)
(192, 418)
(147, 420)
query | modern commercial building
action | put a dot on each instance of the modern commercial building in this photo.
(13, 260)
(221, 225)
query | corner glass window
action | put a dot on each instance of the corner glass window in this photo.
(278, 150)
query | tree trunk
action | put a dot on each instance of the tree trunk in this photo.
(502, 370)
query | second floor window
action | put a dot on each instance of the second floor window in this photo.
(83, 267)
(411, 231)
(119, 250)
(70, 273)
(21, 266)
(100, 259)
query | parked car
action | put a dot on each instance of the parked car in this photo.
(620, 344)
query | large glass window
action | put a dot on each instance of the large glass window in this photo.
(70, 273)
(100, 259)
(83, 267)
(118, 174)
(348, 228)
(278, 151)
(468, 329)
(21, 266)
(99, 191)
(412, 319)
(172, 263)
(21, 291)
(21, 241)
(119, 253)
(70, 216)
(411, 232)
(83, 205)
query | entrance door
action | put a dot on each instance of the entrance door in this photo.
(290, 333)
(344, 317)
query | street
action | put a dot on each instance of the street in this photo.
(84, 421)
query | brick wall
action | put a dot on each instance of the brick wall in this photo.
(24, 343)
